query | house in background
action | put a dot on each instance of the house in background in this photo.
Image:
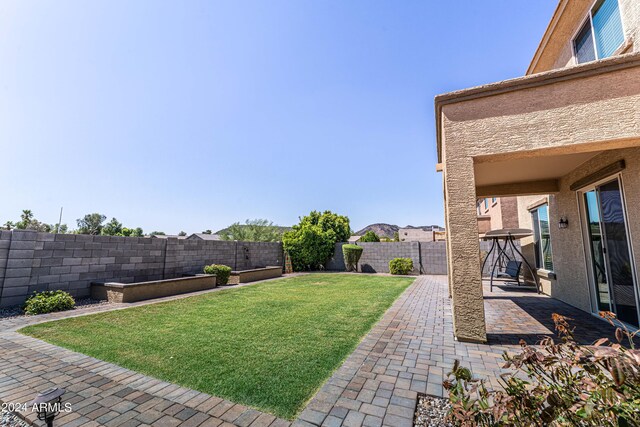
(565, 140)
(495, 213)
(204, 236)
(429, 233)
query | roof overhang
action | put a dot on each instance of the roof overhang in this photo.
(560, 8)
(590, 69)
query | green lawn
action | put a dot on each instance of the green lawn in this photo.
(269, 345)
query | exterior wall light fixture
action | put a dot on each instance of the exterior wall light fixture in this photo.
(564, 222)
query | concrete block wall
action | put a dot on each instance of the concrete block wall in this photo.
(434, 257)
(32, 261)
(336, 263)
(5, 243)
(190, 255)
(263, 254)
(376, 256)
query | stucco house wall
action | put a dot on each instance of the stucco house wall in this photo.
(570, 112)
(556, 49)
(503, 213)
(568, 244)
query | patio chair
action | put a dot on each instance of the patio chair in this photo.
(512, 271)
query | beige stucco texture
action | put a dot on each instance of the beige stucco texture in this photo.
(556, 48)
(547, 125)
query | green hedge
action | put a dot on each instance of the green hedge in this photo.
(352, 254)
(222, 272)
(401, 266)
(48, 302)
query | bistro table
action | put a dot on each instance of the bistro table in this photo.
(503, 252)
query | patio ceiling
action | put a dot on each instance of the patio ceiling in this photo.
(495, 177)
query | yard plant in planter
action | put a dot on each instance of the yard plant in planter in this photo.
(222, 272)
(401, 266)
(48, 302)
(352, 254)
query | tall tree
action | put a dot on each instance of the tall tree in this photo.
(131, 232)
(182, 233)
(254, 230)
(91, 224)
(112, 228)
(370, 236)
(312, 242)
(28, 222)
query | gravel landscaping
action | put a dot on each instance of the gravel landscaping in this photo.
(431, 412)
(16, 311)
(8, 419)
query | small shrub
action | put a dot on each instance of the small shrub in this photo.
(48, 302)
(401, 266)
(370, 236)
(352, 254)
(222, 272)
(558, 384)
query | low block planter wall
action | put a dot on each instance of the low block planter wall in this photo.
(131, 292)
(246, 276)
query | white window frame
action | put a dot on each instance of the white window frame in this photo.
(589, 19)
(540, 250)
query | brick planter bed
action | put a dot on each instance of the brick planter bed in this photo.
(246, 276)
(131, 292)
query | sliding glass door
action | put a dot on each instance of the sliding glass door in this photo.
(610, 253)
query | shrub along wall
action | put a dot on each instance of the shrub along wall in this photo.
(428, 257)
(32, 261)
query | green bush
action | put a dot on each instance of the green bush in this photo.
(369, 236)
(311, 243)
(352, 254)
(401, 266)
(222, 272)
(48, 302)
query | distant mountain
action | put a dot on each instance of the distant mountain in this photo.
(388, 230)
(382, 230)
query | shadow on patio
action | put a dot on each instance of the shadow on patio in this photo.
(513, 314)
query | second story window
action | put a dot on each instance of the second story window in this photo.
(601, 35)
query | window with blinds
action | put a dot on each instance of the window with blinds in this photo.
(585, 49)
(601, 35)
(607, 26)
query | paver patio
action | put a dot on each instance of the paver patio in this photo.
(412, 348)
(409, 351)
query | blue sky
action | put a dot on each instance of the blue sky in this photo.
(191, 115)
